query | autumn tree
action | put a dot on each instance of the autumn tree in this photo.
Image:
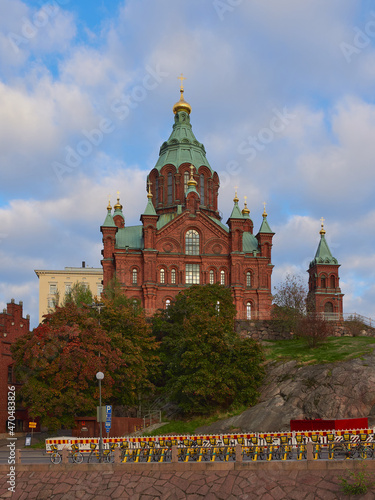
(57, 363)
(206, 365)
(124, 321)
(290, 302)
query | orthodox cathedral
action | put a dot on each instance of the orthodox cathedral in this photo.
(182, 240)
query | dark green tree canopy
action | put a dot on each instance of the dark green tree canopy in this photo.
(207, 366)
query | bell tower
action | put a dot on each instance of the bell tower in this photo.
(324, 291)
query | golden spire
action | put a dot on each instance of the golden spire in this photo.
(264, 210)
(245, 210)
(118, 205)
(149, 194)
(192, 181)
(322, 231)
(235, 199)
(182, 105)
(109, 203)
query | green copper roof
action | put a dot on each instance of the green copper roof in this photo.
(219, 223)
(150, 209)
(118, 212)
(164, 219)
(131, 236)
(236, 212)
(109, 222)
(191, 189)
(265, 228)
(323, 254)
(182, 146)
(249, 242)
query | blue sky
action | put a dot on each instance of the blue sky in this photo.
(281, 95)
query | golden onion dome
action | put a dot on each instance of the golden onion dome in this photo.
(182, 105)
(118, 205)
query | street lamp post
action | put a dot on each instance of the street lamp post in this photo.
(100, 376)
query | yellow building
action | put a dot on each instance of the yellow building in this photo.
(56, 283)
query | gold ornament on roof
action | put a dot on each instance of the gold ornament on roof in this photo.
(264, 210)
(182, 105)
(235, 199)
(322, 231)
(118, 205)
(109, 203)
(192, 181)
(149, 194)
(245, 210)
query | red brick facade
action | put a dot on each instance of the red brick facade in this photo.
(324, 283)
(12, 326)
(182, 239)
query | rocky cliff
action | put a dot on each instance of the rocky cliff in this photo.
(337, 390)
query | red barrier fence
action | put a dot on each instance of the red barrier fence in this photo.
(318, 424)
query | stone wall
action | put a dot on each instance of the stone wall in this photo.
(271, 330)
(307, 480)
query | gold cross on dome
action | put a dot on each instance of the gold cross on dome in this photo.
(322, 221)
(149, 184)
(181, 78)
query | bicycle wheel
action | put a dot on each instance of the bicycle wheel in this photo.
(92, 455)
(56, 457)
(77, 457)
(109, 457)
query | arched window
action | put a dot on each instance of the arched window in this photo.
(162, 276)
(333, 282)
(328, 307)
(248, 310)
(134, 276)
(186, 180)
(173, 276)
(212, 277)
(248, 279)
(323, 282)
(202, 188)
(170, 188)
(192, 242)
(167, 303)
(157, 190)
(222, 277)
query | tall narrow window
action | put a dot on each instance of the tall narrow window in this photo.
(217, 307)
(162, 276)
(192, 274)
(222, 277)
(202, 188)
(323, 281)
(248, 310)
(248, 279)
(333, 282)
(157, 191)
(173, 276)
(192, 242)
(167, 303)
(170, 188)
(134, 276)
(212, 277)
(186, 180)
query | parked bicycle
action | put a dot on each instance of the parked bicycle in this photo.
(74, 456)
(108, 454)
